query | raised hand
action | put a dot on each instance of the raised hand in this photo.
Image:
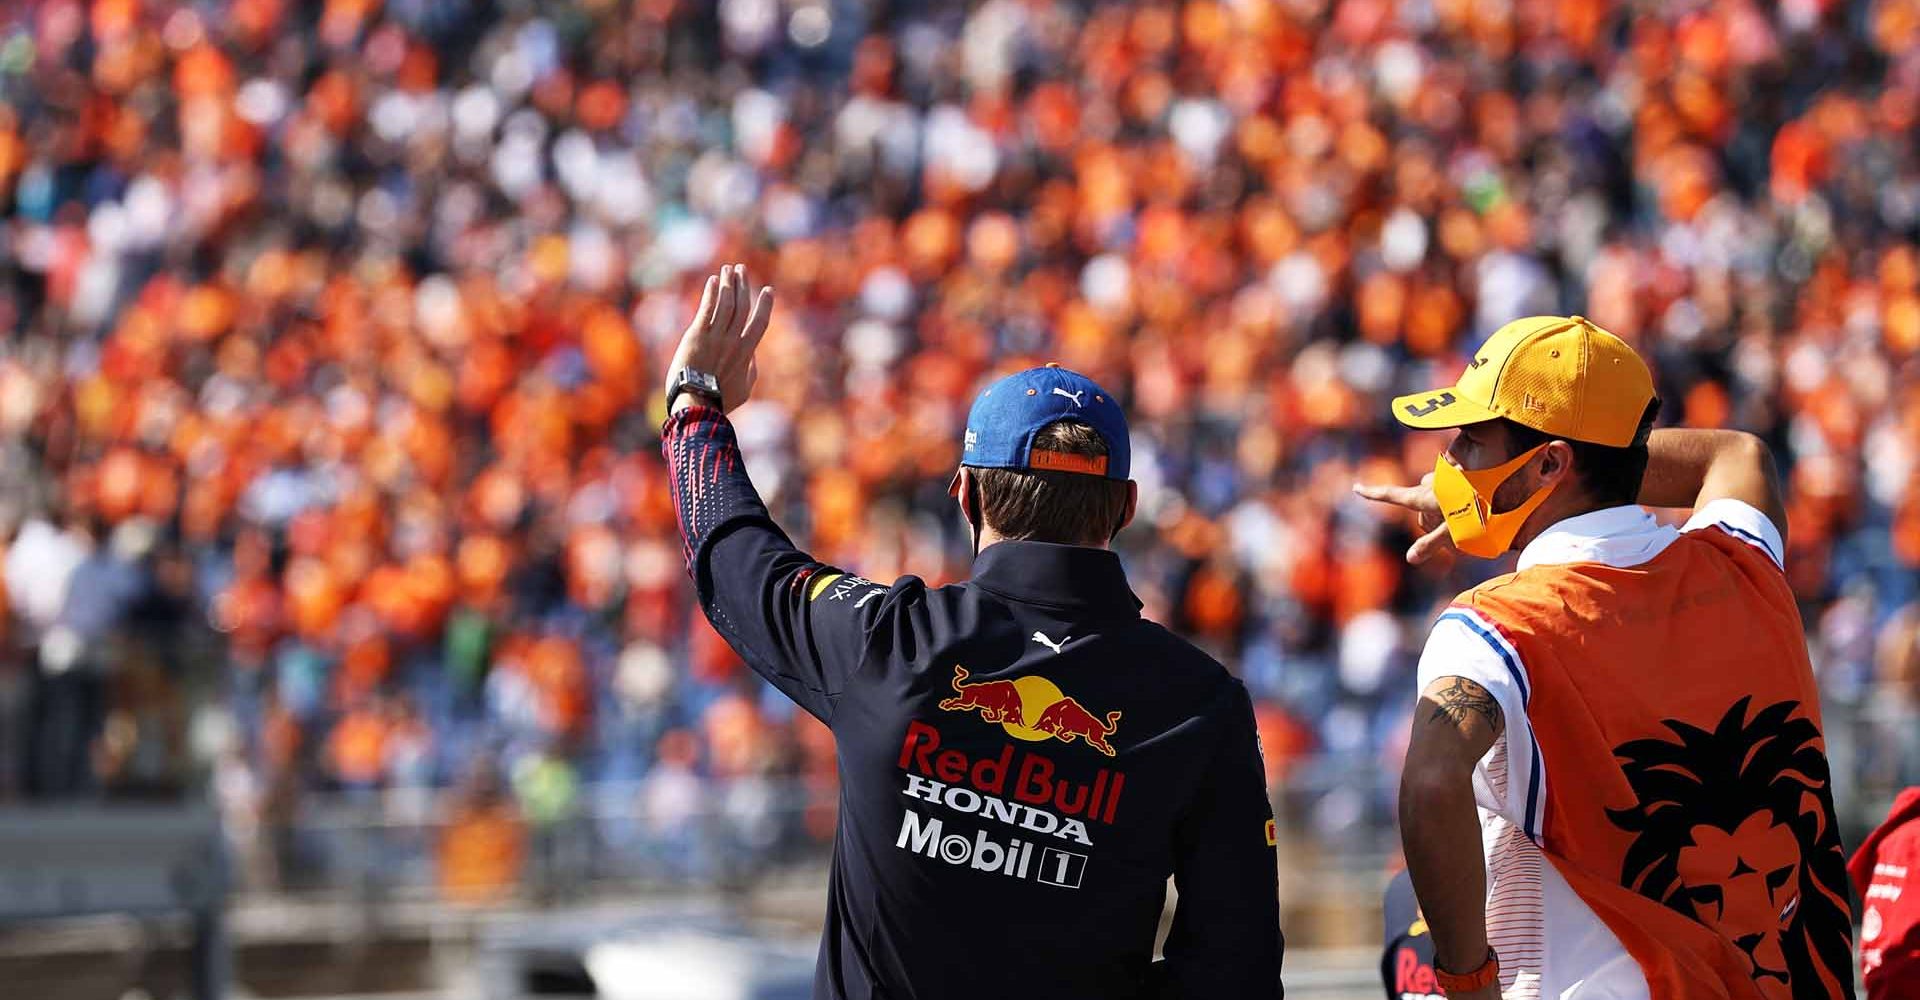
(1434, 542)
(724, 333)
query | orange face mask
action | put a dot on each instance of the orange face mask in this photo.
(1466, 501)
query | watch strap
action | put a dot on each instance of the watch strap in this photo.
(1479, 979)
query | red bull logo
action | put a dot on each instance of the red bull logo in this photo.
(1012, 702)
(1066, 719)
(1026, 779)
(997, 701)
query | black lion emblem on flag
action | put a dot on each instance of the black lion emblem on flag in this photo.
(1734, 828)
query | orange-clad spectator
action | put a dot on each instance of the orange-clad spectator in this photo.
(314, 597)
(363, 327)
(555, 667)
(1215, 605)
(365, 662)
(250, 610)
(484, 843)
(1284, 741)
(737, 737)
(481, 566)
(819, 774)
(357, 748)
(712, 661)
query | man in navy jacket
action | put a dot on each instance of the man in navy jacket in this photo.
(1024, 760)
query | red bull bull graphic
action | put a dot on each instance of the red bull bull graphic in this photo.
(997, 701)
(1066, 719)
(1012, 702)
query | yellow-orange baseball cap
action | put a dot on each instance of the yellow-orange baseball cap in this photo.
(1560, 375)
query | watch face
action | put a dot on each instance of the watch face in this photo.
(694, 380)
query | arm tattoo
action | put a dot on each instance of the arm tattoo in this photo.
(1460, 697)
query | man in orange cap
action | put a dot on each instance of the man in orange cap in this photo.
(1617, 783)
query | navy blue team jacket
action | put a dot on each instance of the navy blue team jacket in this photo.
(1023, 761)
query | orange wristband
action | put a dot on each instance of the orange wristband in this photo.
(1479, 979)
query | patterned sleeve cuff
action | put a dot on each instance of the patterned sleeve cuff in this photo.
(710, 484)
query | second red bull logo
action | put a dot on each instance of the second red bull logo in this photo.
(1031, 708)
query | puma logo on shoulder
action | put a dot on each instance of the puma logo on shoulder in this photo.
(1049, 643)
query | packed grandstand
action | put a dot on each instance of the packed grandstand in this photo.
(329, 404)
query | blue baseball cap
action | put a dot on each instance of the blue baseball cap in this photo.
(1011, 412)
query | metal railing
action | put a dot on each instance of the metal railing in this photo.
(1336, 821)
(393, 843)
(733, 833)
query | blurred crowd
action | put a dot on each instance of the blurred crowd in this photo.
(331, 390)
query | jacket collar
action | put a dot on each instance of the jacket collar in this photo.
(1617, 536)
(1060, 576)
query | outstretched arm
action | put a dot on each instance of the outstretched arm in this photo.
(1686, 467)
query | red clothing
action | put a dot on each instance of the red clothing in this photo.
(1886, 870)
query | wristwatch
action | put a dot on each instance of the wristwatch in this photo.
(697, 382)
(1486, 975)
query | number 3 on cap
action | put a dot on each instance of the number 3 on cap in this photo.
(1433, 403)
